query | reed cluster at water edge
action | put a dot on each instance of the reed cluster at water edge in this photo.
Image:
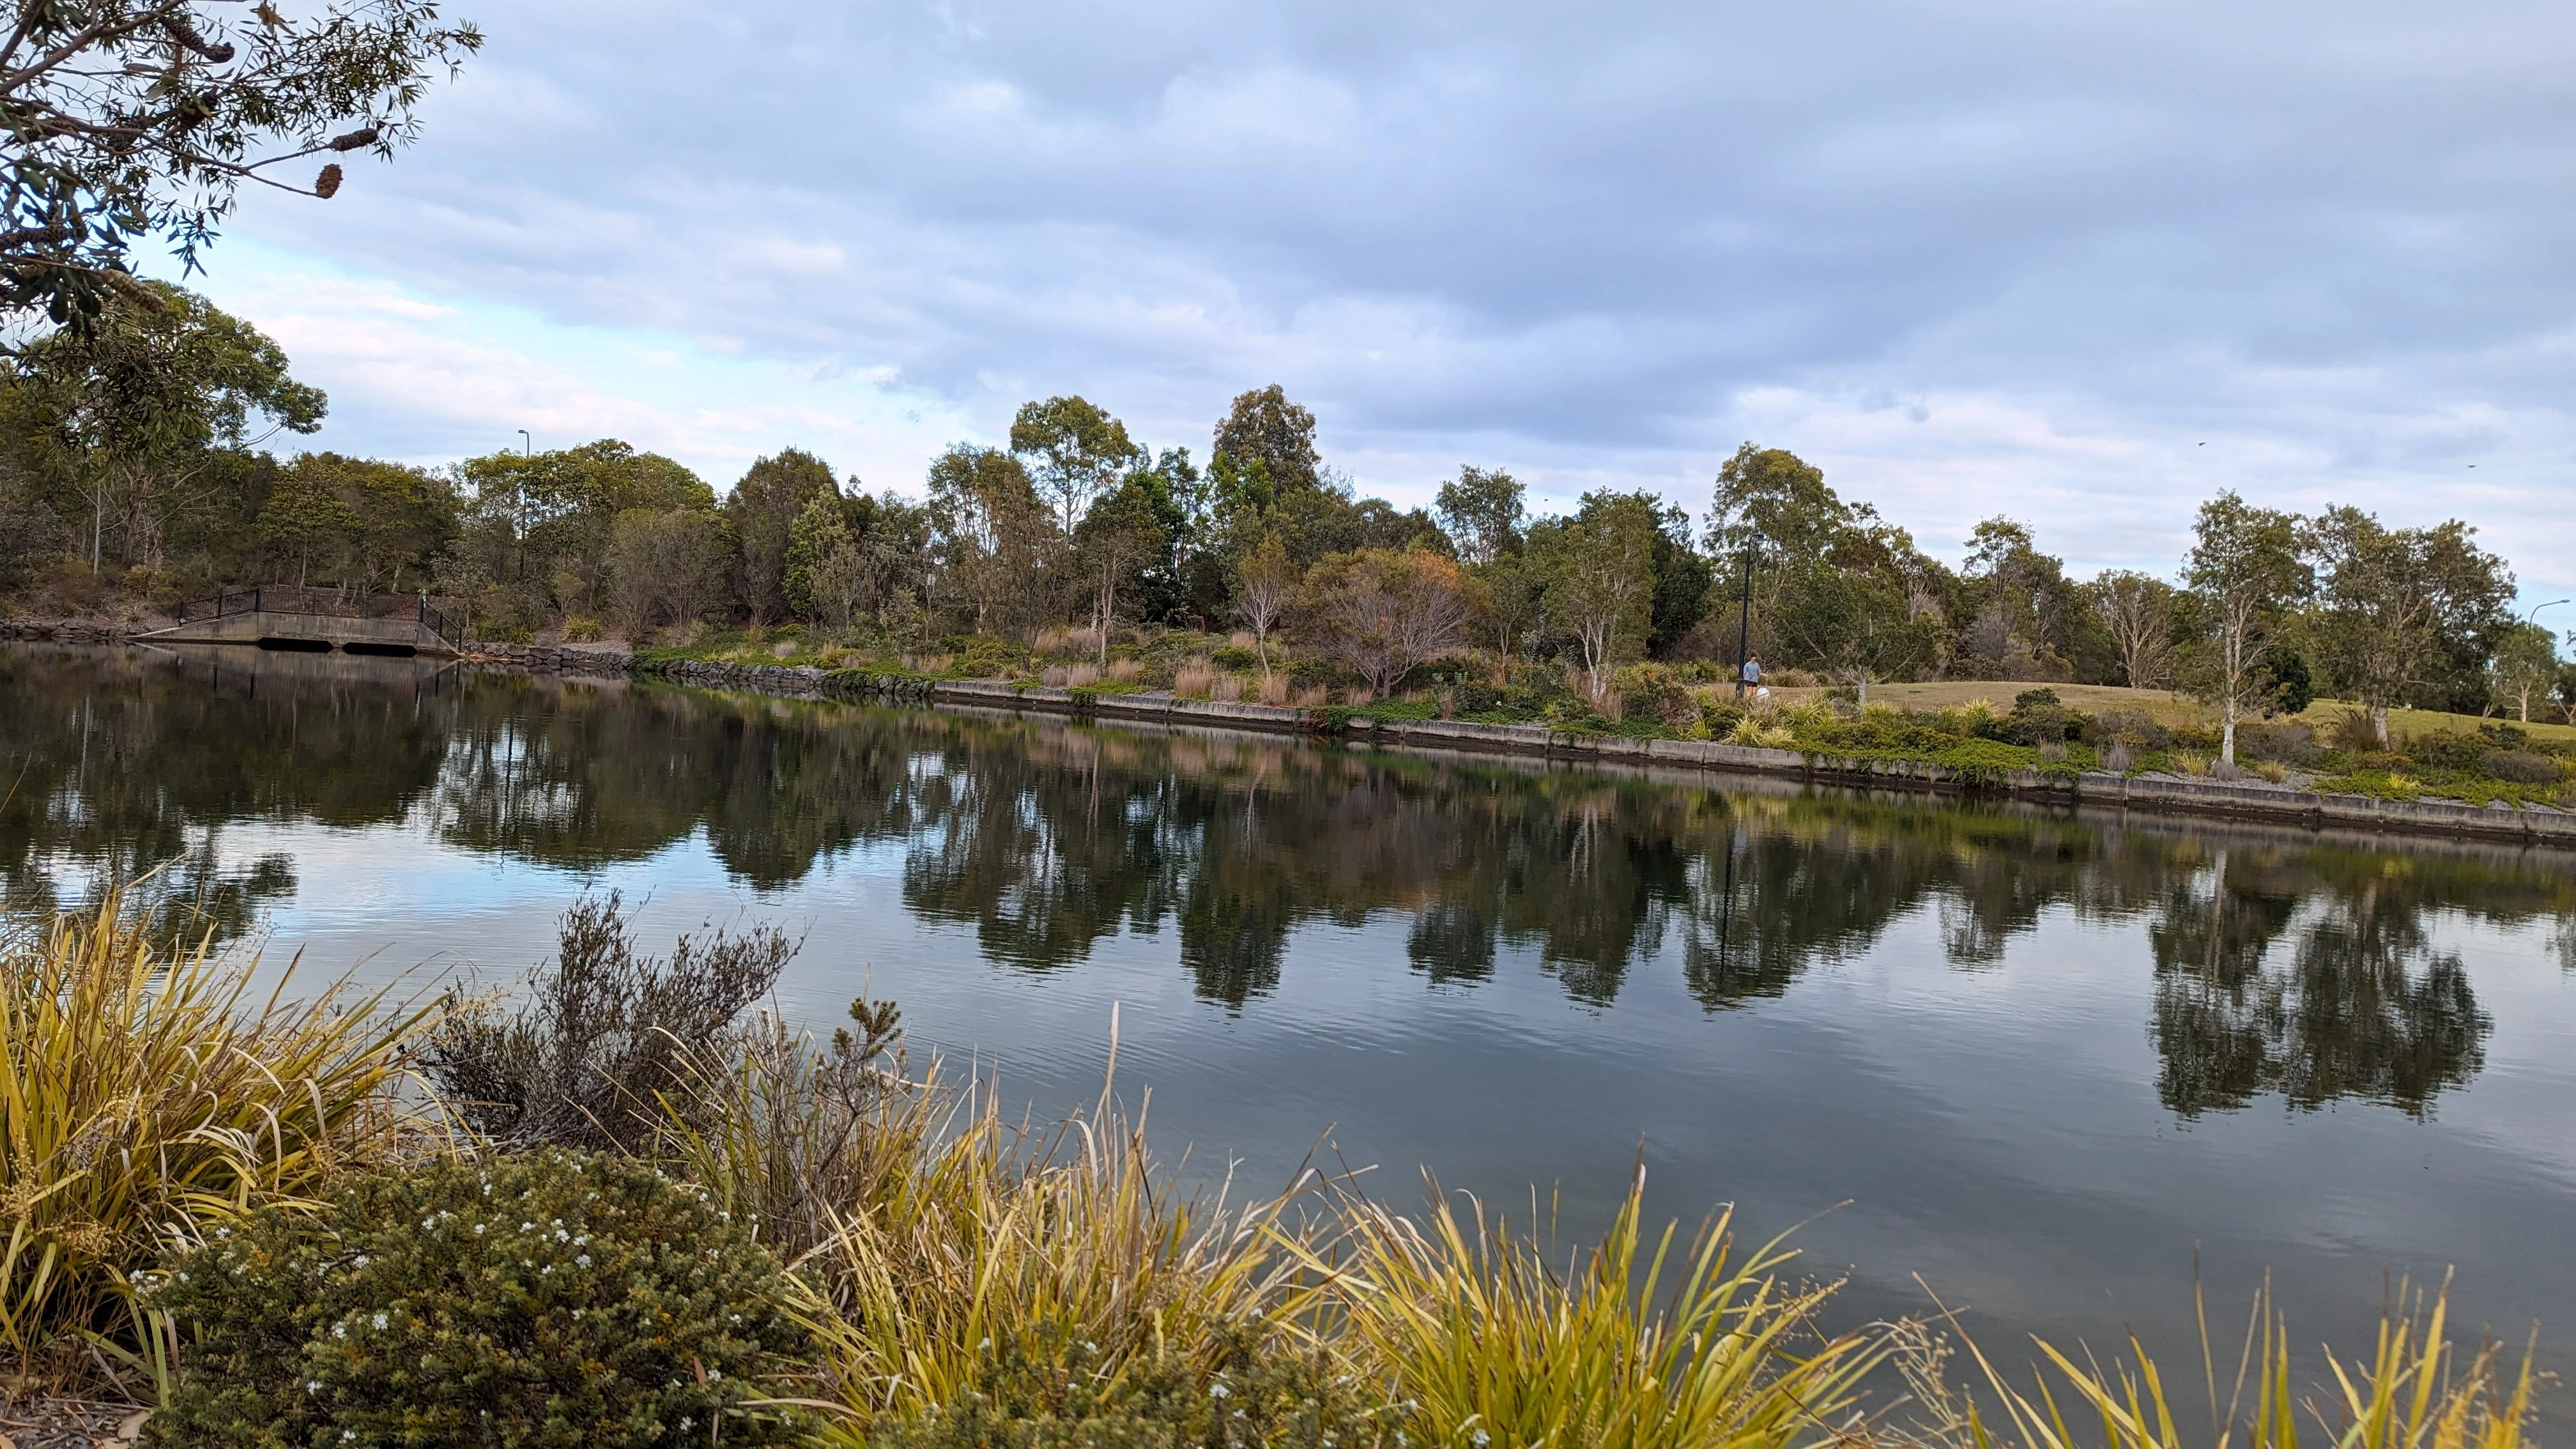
(618, 1203)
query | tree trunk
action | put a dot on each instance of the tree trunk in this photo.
(2379, 724)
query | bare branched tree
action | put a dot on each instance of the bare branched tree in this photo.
(603, 1049)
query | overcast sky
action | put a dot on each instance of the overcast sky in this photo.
(2079, 263)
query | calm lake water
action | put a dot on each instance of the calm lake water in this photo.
(2050, 1062)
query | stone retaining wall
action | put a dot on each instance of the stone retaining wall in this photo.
(551, 658)
(799, 681)
(68, 631)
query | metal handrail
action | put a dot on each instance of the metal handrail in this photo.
(325, 603)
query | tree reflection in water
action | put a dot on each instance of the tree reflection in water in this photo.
(2282, 965)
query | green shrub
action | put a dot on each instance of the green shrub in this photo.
(1309, 673)
(2446, 751)
(1067, 1397)
(2037, 718)
(2504, 736)
(1229, 657)
(2289, 742)
(552, 1299)
(1652, 693)
(2133, 727)
(582, 629)
(2523, 767)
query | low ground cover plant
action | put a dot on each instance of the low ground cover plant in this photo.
(545, 1299)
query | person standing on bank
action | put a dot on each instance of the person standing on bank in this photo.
(1751, 679)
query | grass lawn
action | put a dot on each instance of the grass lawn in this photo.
(2426, 721)
(2166, 706)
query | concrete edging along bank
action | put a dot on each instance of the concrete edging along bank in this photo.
(2530, 825)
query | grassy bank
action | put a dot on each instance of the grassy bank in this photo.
(616, 1207)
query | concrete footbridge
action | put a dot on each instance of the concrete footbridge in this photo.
(284, 616)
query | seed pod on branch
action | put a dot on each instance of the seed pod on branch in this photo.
(363, 136)
(185, 32)
(327, 184)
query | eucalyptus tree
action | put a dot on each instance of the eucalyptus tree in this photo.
(993, 537)
(1117, 540)
(762, 508)
(1074, 452)
(1600, 567)
(1265, 582)
(666, 566)
(1855, 625)
(2526, 665)
(542, 525)
(2138, 610)
(1481, 511)
(2245, 567)
(2023, 615)
(130, 118)
(1263, 427)
(1779, 497)
(137, 402)
(2403, 612)
(382, 522)
(305, 514)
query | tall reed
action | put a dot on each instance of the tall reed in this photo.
(999, 1246)
(2415, 1391)
(147, 1091)
(1639, 1344)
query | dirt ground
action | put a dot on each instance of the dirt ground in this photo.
(46, 1423)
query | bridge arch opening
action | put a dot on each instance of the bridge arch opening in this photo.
(386, 651)
(295, 646)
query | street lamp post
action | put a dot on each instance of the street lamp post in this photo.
(2552, 604)
(519, 494)
(1744, 619)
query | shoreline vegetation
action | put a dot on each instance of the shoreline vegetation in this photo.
(2444, 775)
(616, 1203)
(2440, 782)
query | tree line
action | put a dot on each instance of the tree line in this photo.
(135, 454)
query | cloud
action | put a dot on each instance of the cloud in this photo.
(1598, 245)
(428, 382)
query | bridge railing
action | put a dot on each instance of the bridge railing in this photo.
(325, 603)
